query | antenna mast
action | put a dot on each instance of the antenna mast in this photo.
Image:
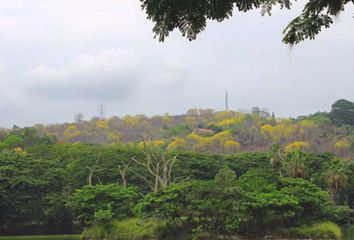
(101, 111)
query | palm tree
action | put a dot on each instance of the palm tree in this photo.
(276, 156)
(336, 177)
(295, 165)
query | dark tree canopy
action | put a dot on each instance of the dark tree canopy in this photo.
(190, 16)
(342, 113)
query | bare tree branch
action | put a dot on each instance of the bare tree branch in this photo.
(91, 172)
(160, 167)
(123, 169)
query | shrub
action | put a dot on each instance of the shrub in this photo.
(94, 232)
(325, 230)
(129, 229)
(134, 229)
(175, 231)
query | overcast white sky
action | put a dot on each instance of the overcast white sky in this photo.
(62, 57)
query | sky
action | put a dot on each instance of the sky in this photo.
(63, 57)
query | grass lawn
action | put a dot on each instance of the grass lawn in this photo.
(42, 237)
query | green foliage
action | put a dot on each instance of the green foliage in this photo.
(11, 142)
(129, 229)
(191, 17)
(134, 229)
(242, 162)
(313, 201)
(225, 177)
(25, 137)
(320, 117)
(207, 206)
(336, 177)
(198, 166)
(103, 215)
(178, 130)
(342, 113)
(349, 193)
(324, 230)
(38, 185)
(276, 157)
(257, 203)
(265, 206)
(295, 164)
(102, 203)
(256, 179)
(95, 232)
(27, 186)
(273, 201)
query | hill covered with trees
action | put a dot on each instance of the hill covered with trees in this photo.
(205, 130)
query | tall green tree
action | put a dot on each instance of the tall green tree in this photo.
(295, 166)
(276, 158)
(336, 177)
(27, 188)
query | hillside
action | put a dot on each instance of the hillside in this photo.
(206, 130)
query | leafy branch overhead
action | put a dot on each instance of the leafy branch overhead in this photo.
(190, 17)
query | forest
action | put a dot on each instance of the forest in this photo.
(202, 175)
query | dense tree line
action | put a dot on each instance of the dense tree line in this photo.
(51, 187)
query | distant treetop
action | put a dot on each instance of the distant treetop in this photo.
(342, 113)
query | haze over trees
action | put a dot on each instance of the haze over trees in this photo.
(190, 17)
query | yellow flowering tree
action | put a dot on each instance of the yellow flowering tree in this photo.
(71, 132)
(130, 121)
(220, 138)
(158, 143)
(113, 137)
(175, 144)
(101, 124)
(342, 147)
(232, 146)
(267, 131)
(232, 121)
(297, 145)
(284, 131)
